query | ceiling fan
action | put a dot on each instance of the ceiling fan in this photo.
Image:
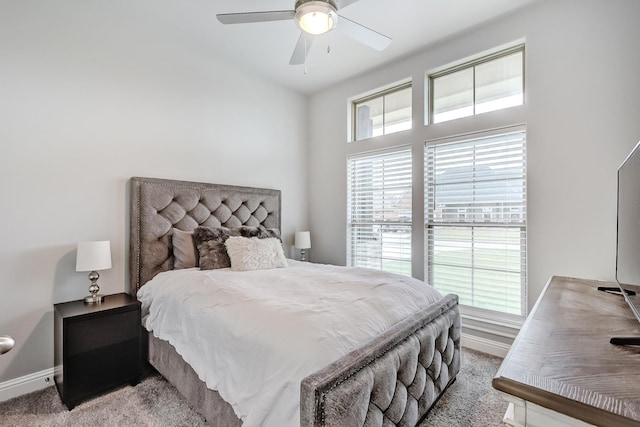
(313, 17)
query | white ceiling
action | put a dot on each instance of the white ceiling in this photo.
(266, 47)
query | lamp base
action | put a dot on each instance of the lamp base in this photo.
(94, 299)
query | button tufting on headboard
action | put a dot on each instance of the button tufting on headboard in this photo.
(158, 205)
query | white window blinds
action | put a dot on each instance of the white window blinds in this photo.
(475, 214)
(379, 211)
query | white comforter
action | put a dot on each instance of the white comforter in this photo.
(253, 336)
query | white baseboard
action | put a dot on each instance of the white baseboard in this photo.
(484, 345)
(26, 384)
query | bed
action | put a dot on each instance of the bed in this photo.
(393, 378)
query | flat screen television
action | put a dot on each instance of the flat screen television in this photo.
(628, 236)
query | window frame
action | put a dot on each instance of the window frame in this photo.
(472, 64)
(500, 317)
(371, 97)
(402, 150)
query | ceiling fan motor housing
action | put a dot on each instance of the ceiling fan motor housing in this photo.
(316, 16)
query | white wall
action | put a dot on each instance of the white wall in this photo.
(581, 113)
(90, 96)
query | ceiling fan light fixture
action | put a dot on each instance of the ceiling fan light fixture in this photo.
(316, 17)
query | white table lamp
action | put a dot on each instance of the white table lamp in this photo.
(303, 242)
(93, 256)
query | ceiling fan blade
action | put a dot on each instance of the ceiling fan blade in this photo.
(249, 17)
(345, 3)
(301, 50)
(364, 35)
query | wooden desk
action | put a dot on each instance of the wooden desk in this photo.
(562, 365)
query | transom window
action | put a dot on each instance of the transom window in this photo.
(382, 113)
(490, 83)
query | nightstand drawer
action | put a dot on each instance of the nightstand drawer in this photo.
(84, 335)
(102, 368)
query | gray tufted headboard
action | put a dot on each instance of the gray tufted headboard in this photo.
(158, 205)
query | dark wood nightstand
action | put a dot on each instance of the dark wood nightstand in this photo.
(97, 346)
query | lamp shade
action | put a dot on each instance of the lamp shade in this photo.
(93, 256)
(303, 240)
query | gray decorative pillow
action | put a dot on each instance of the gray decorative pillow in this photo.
(210, 243)
(211, 251)
(265, 233)
(184, 249)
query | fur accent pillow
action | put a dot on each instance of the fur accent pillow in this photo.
(184, 249)
(249, 254)
(211, 251)
(265, 233)
(210, 241)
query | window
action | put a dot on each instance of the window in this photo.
(487, 84)
(382, 113)
(475, 214)
(379, 211)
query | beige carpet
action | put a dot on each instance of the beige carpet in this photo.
(470, 401)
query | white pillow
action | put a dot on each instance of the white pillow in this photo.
(248, 254)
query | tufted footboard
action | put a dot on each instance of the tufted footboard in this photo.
(394, 379)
